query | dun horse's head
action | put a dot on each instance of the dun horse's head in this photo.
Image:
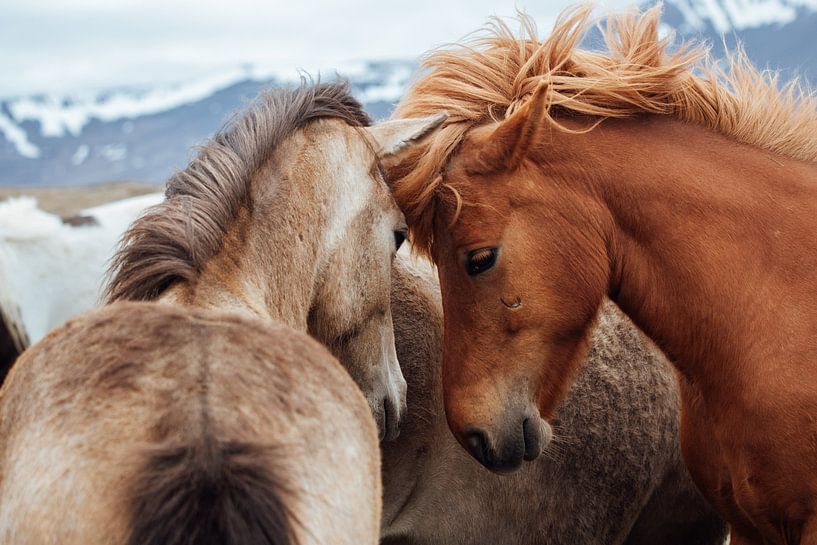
(351, 309)
(286, 215)
(521, 278)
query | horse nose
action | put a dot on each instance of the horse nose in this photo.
(476, 442)
(392, 413)
(523, 439)
(503, 457)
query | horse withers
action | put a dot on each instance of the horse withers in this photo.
(685, 192)
(188, 416)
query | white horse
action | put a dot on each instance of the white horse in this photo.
(52, 269)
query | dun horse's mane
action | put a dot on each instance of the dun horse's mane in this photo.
(174, 239)
(490, 76)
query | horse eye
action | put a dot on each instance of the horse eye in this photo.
(399, 239)
(479, 261)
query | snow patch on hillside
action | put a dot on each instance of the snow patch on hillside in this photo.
(60, 115)
(735, 15)
(18, 138)
(80, 155)
(391, 90)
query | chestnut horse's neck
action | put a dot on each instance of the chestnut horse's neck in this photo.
(712, 246)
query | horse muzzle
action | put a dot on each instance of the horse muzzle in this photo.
(522, 438)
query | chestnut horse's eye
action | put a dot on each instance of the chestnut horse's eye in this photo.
(399, 238)
(479, 261)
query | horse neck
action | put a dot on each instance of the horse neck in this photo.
(271, 258)
(712, 242)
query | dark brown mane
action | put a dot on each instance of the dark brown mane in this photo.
(172, 240)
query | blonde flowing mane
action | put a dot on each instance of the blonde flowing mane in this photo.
(489, 77)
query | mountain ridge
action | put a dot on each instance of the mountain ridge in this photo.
(146, 133)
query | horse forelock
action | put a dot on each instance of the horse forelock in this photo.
(489, 77)
(174, 239)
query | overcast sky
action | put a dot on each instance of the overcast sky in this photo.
(68, 45)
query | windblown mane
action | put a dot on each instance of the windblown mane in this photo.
(490, 76)
(174, 239)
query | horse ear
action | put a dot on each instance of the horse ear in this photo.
(505, 147)
(393, 138)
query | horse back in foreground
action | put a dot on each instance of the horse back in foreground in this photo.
(188, 428)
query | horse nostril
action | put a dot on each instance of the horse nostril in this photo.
(391, 421)
(477, 444)
(532, 438)
(385, 431)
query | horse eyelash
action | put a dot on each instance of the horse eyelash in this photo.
(482, 255)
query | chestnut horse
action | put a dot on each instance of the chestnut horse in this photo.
(614, 476)
(195, 409)
(684, 192)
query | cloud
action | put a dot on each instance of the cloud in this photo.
(58, 45)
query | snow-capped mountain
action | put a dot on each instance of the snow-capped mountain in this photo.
(778, 34)
(723, 16)
(144, 134)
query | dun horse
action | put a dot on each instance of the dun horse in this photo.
(686, 193)
(613, 476)
(190, 417)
